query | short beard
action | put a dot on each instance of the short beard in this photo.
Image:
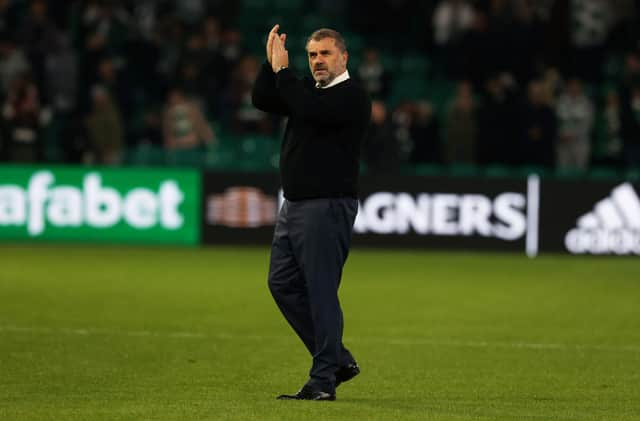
(325, 82)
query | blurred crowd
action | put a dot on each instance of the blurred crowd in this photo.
(553, 83)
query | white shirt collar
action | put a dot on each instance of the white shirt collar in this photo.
(339, 79)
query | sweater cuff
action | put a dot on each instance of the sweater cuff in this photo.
(267, 66)
(283, 75)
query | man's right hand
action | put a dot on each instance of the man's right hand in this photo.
(272, 35)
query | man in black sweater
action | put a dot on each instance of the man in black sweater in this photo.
(319, 161)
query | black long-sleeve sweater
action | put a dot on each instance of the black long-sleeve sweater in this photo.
(320, 151)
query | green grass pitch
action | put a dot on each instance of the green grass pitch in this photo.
(124, 333)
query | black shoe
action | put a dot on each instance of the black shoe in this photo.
(347, 373)
(308, 393)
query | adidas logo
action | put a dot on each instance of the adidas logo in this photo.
(612, 227)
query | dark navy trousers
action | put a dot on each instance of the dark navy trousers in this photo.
(310, 246)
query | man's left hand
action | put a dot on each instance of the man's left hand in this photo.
(279, 54)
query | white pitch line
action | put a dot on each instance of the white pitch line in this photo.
(91, 331)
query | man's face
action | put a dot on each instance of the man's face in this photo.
(325, 60)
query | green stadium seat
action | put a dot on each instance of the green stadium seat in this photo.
(439, 93)
(185, 158)
(52, 150)
(255, 153)
(632, 174)
(427, 169)
(498, 171)
(613, 67)
(218, 157)
(527, 170)
(414, 65)
(569, 173)
(604, 173)
(390, 62)
(274, 161)
(462, 170)
(409, 89)
(145, 155)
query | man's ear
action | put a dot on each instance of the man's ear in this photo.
(345, 57)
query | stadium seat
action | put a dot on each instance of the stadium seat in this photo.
(52, 150)
(462, 170)
(409, 89)
(632, 174)
(499, 171)
(427, 170)
(217, 157)
(569, 173)
(527, 170)
(604, 173)
(414, 65)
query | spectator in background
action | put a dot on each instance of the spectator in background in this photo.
(105, 27)
(372, 75)
(497, 122)
(381, 152)
(425, 133)
(114, 80)
(608, 129)
(190, 11)
(191, 70)
(21, 112)
(539, 128)
(104, 31)
(13, 62)
(61, 88)
(143, 52)
(105, 129)
(631, 127)
(212, 33)
(184, 125)
(8, 15)
(151, 132)
(37, 34)
(61, 76)
(242, 117)
(461, 127)
(481, 51)
(629, 92)
(74, 137)
(574, 111)
(402, 119)
(589, 23)
(631, 75)
(552, 85)
(144, 18)
(171, 33)
(451, 21)
(217, 69)
(525, 39)
(232, 49)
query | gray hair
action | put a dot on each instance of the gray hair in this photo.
(329, 33)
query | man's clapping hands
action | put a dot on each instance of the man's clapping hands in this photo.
(277, 54)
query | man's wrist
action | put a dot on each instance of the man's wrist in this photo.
(281, 68)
